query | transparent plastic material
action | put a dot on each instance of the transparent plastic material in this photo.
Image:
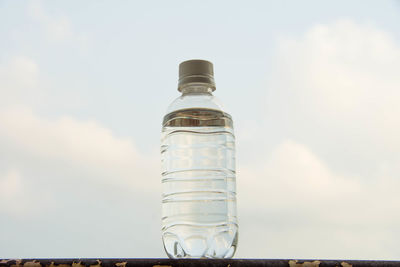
(198, 176)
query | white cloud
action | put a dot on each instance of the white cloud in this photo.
(19, 199)
(11, 193)
(57, 28)
(19, 80)
(329, 188)
(341, 81)
(22, 71)
(10, 185)
(296, 207)
(83, 145)
(64, 178)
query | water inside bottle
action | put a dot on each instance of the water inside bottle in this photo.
(198, 176)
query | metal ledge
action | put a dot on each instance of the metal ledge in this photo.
(191, 262)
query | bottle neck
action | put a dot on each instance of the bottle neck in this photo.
(196, 90)
(195, 95)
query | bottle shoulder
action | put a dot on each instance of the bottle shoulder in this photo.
(192, 101)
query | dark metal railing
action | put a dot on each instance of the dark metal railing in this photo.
(191, 262)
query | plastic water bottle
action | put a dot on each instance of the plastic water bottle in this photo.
(198, 170)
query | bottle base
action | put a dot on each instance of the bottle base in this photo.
(222, 245)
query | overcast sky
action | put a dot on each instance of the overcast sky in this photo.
(313, 88)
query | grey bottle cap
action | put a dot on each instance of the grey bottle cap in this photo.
(196, 71)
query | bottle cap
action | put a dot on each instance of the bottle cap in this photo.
(196, 71)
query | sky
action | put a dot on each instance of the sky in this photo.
(313, 88)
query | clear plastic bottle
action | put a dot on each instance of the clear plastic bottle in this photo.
(198, 170)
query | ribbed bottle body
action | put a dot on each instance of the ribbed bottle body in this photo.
(199, 184)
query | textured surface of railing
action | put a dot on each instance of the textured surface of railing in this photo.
(191, 262)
